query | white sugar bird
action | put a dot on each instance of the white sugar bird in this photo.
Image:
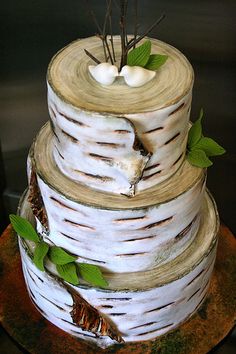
(136, 76)
(104, 73)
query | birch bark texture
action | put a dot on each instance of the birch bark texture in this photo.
(118, 233)
(116, 138)
(141, 305)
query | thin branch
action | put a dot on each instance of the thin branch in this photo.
(109, 4)
(92, 57)
(135, 21)
(137, 40)
(122, 33)
(104, 35)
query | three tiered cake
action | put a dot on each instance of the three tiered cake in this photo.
(113, 188)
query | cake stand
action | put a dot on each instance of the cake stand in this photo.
(198, 335)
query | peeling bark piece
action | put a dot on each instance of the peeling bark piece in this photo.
(89, 319)
(36, 201)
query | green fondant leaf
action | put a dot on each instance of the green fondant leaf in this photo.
(209, 146)
(40, 253)
(23, 228)
(58, 256)
(139, 56)
(198, 158)
(68, 272)
(195, 132)
(155, 61)
(92, 274)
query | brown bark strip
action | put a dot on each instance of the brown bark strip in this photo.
(158, 223)
(177, 109)
(89, 319)
(72, 138)
(139, 239)
(117, 313)
(67, 236)
(116, 298)
(62, 204)
(153, 130)
(171, 139)
(185, 230)
(36, 201)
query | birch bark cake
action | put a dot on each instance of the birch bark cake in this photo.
(109, 184)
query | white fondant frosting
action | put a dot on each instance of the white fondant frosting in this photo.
(141, 314)
(104, 73)
(136, 76)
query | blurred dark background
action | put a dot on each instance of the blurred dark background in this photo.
(33, 31)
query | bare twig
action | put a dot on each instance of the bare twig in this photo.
(104, 34)
(92, 57)
(135, 21)
(137, 40)
(109, 4)
(123, 34)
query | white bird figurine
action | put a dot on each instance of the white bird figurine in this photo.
(104, 73)
(136, 76)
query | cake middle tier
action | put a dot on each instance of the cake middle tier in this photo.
(118, 233)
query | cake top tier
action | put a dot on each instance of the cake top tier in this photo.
(69, 77)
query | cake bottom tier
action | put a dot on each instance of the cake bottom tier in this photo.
(140, 306)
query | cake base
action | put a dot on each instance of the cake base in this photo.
(203, 331)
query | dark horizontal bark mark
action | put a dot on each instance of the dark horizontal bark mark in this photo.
(62, 204)
(153, 130)
(131, 254)
(117, 314)
(72, 120)
(83, 334)
(160, 308)
(155, 330)
(116, 298)
(70, 237)
(144, 325)
(130, 219)
(106, 306)
(100, 157)
(173, 138)
(195, 293)
(139, 239)
(33, 280)
(72, 138)
(151, 167)
(177, 109)
(42, 281)
(61, 156)
(152, 175)
(178, 159)
(185, 230)
(79, 225)
(102, 178)
(122, 131)
(51, 302)
(111, 145)
(158, 223)
(196, 277)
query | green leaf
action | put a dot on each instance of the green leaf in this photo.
(209, 146)
(92, 274)
(198, 158)
(139, 56)
(155, 61)
(68, 272)
(23, 228)
(195, 132)
(58, 256)
(40, 253)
